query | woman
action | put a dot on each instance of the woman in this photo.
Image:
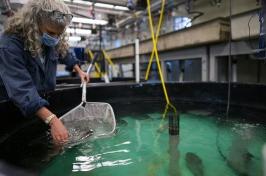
(33, 42)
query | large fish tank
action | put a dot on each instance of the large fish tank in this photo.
(208, 143)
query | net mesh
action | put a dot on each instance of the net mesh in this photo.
(89, 120)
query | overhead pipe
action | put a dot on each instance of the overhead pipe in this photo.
(155, 6)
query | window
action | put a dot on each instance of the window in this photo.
(181, 23)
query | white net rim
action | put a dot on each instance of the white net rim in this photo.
(104, 103)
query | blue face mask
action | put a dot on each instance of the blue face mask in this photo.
(49, 40)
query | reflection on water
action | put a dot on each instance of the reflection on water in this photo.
(92, 163)
(139, 148)
(88, 163)
(242, 148)
(239, 157)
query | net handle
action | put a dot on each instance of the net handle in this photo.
(84, 84)
(84, 91)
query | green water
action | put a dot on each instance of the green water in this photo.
(139, 148)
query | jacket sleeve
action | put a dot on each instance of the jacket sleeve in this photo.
(18, 82)
(69, 60)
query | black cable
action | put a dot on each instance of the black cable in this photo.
(229, 97)
(249, 35)
(229, 81)
(229, 88)
(229, 62)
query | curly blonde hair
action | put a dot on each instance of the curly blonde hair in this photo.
(26, 23)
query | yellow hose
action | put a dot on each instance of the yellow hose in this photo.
(107, 57)
(157, 55)
(156, 51)
(96, 64)
(156, 39)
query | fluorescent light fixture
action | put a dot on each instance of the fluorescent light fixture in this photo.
(74, 38)
(121, 8)
(18, 1)
(80, 2)
(102, 5)
(109, 6)
(89, 21)
(83, 32)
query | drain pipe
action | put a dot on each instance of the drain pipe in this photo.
(174, 169)
(137, 74)
(173, 124)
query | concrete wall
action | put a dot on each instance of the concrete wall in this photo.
(245, 26)
(214, 62)
(238, 7)
(244, 13)
(217, 31)
(127, 35)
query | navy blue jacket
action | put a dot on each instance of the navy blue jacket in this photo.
(25, 78)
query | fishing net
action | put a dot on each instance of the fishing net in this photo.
(89, 120)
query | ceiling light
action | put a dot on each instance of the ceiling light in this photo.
(89, 21)
(74, 38)
(102, 5)
(109, 6)
(84, 32)
(82, 2)
(18, 1)
(79, 2)
(120, 8)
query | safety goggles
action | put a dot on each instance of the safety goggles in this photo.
(57, 15)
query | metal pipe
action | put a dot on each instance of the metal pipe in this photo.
(137, 74)
(155, 6)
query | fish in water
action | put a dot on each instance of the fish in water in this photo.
(87, 134)
(239, 158)
(241, 162)
(143, 117)
(199, 112)
(122, 122)
(77, 135)
(194, 164)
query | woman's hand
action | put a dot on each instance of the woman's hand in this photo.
(83, 76)
(58, 131)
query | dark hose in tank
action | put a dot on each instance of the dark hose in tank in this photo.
(173, 123)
